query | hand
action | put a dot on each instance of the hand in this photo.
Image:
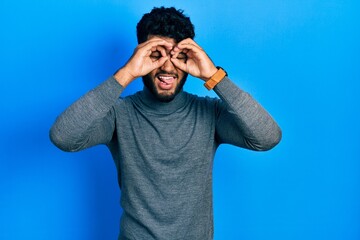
(142, 61)
(198, 64)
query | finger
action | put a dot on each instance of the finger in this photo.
(154, 43)
(189, 49)
(168, 45)
(160, 62)
(186, 42)
(179, 64)
(188, 46)
(162, 50)
(176, 51)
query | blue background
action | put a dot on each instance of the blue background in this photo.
(299, 58)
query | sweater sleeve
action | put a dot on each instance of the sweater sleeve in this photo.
(242, 121)
(88, 121)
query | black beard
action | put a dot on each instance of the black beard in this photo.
(148, 82)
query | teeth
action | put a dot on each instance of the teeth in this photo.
(165, 78)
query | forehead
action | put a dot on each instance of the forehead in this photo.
(170, 40)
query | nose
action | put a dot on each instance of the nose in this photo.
(168, 66)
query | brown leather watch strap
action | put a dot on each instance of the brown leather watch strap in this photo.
(215, 79)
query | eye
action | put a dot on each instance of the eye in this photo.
(182, 57)
(155, 55)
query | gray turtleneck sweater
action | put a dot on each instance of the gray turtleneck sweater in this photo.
(164, 151)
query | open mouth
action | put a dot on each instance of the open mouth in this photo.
(166, 81)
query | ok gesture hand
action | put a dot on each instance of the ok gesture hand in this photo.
(198, 63)
(142, 62)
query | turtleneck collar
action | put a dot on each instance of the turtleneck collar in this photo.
(151, 103)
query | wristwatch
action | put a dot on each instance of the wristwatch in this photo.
(216, 78)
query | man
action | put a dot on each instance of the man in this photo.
(163, 139)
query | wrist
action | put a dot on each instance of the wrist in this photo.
(217, 77)
(123, 77)
(211, 72)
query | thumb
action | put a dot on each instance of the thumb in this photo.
(179, 64)
(160, 62)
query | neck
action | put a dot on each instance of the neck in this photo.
(154, 104)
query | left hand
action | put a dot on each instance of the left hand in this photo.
(198, 63)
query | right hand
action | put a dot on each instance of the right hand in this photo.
(141, 62)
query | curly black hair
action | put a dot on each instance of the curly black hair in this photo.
(166, 22)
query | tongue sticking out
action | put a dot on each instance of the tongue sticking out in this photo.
(166, 82)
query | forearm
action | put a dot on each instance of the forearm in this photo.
(124, 77)
(87, 121)
(251, 125)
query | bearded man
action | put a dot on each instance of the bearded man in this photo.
(163, 139)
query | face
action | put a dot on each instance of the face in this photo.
(166, 81)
